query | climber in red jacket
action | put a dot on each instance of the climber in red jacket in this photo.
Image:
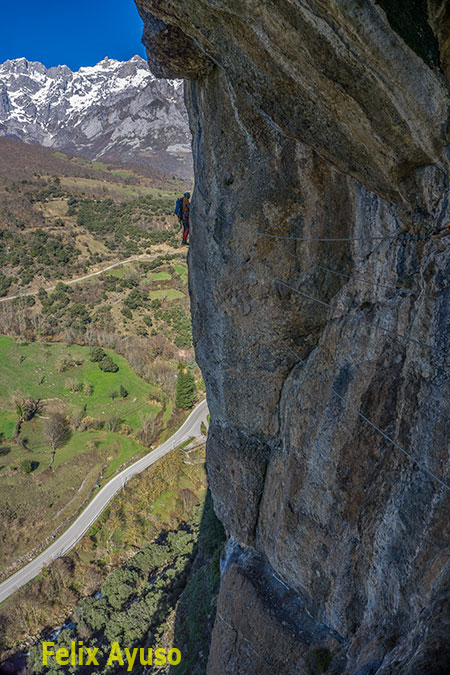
(185, 208)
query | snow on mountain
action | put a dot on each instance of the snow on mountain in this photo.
(111, 111)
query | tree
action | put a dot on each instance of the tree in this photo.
(151, 428)
(123, 391)
(108, 365)
(185, 390)
(26, 409)
(97, 354)
(56, 430)
(28, 466)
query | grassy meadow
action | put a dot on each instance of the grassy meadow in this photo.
(64, 379)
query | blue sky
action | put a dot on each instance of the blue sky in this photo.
(75, 33)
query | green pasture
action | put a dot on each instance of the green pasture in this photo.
(32, 370)
(8, 421)
(160, 276)
(166, 294)
(121, 270)
(180, 269)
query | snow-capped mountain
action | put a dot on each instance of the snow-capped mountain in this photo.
(112, 111)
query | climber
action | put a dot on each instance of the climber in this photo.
(182, 211)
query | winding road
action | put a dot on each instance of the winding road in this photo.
(190, 428)
(143, 256)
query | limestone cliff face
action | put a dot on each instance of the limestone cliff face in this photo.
(325, 126)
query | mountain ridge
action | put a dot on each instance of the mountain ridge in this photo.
(114, 111)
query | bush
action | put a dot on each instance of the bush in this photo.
(97, 354)
(134, 299)
(28, 466)
(88, 389)
(91, 423)
(127, 312)
(123, 391)
(73, 385)
(64, 363)
(108, 365)
(113, 424)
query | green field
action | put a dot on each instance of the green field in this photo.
(166, 293)
(160, 276)
(33, 505)
(180, 269)
(122, 270)
(32, 369)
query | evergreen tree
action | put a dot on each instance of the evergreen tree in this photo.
(185, 390)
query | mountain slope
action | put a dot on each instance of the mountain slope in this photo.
(113, 110)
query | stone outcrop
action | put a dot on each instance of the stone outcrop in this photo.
(320, 308)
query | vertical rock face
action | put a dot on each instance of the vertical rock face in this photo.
(320, 309)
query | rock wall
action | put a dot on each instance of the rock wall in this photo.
(319, 293)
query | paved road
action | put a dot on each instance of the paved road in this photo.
(66, 541)
(143, 256)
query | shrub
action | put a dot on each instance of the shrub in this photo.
(88, 389)
(91, 423)
(97, 354)
(123, 391)
(28, 466)
(119, 586)
(113, 423)
(108, 365)
(127, 312)
(73, 385)
(64, 363)
(134, 299)
(76, 419)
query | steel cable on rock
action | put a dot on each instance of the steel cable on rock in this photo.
(353, 278)
(349, 405)
(398, 236)
(378, 326)
(326, 304)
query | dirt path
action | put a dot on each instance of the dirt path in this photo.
(143, 256)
